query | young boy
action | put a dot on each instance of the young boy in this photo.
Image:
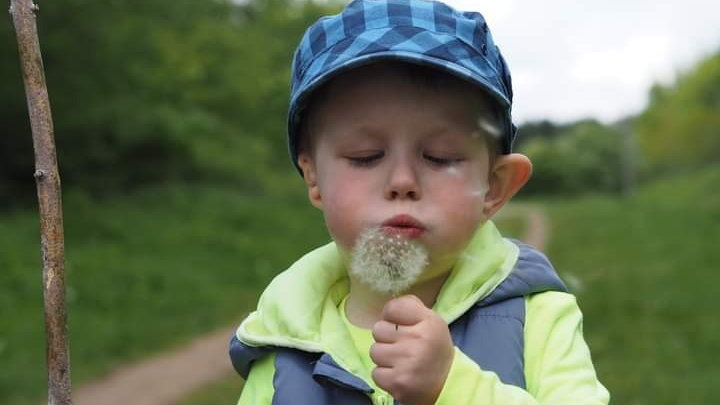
(400, 126)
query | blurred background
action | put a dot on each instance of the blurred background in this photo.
(170, 127)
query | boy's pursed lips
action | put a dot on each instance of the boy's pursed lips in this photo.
(404, 225)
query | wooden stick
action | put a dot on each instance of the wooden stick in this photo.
(47, 180)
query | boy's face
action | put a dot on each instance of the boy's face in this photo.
(385, 147)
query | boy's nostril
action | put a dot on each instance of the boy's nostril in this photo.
(411, 194)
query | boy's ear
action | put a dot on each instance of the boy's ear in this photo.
(508, 175)
(309, 170)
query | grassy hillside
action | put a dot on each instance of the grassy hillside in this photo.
(646, 271)
(144, 273)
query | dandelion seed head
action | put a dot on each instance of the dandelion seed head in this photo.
(387, 264)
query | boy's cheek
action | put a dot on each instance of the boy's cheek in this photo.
(342, 227)
(338, 234)
(460, 219)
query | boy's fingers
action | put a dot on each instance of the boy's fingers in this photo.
(383, 354)
(382, 376)
(386, 332)
(405, 310)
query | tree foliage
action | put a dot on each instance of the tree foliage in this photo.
(157, 91)
(582, 157)
(681, 127)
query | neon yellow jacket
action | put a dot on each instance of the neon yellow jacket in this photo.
(298, 310)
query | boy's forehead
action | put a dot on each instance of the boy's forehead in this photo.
(354, 138)
(367, 133)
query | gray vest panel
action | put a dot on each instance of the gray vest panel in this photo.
(313, 379)
(491, 333)
(492, 336)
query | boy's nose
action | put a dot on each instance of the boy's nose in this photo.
(402, 182)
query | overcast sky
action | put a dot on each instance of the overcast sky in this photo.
(573, 59)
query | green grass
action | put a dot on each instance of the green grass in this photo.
(223, 392)
(645, 269)
(512, 221)
(144, 273)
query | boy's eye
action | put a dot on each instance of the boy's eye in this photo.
(441, 161)
(365, 160)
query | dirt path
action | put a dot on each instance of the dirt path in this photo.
(538, 229)
(164, 379)
(170, 377)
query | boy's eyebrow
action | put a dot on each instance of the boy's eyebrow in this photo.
(450, 133)
(443, 143)
(445, 134)
(366, 130)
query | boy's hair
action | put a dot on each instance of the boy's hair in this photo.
(421, 32)
(487, 114)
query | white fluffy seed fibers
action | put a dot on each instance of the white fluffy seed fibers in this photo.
(387, 263)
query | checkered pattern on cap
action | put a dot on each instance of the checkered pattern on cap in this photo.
(418, 31)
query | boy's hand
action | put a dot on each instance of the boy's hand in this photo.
(413, 361)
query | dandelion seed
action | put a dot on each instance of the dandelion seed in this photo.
(489, 127)
(387, 264)
(479, 192)
(452, 170)
(574, 282)
(469, 258)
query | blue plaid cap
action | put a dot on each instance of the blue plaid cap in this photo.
(424, 32)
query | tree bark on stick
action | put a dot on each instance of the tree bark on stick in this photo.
(47, 180)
